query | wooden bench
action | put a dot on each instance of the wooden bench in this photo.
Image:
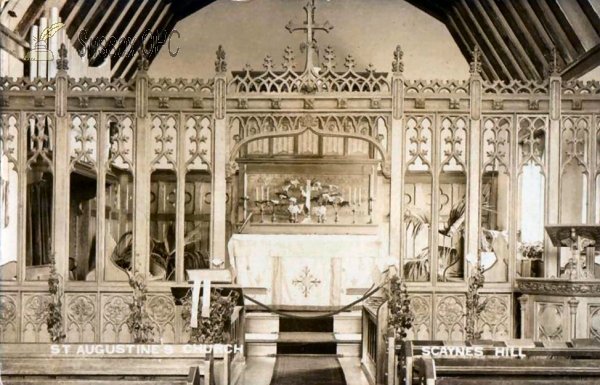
(533, 363)
(28, 364)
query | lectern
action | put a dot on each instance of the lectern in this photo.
(568, 307)
(577, 238)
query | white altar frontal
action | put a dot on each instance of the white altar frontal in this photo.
(306, 271)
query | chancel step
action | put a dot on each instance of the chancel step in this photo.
(268, 334)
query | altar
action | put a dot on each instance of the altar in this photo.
(306, 271)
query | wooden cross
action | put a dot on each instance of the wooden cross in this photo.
(310, 27)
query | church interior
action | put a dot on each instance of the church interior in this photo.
(270, 178)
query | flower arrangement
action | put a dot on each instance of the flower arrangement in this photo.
(474, 305)
(54, 319)
(213, 329)
(532, 250)
(400, 316)
(139, 322)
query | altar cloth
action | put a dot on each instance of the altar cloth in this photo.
(305, 270)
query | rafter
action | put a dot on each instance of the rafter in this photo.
(591, 14)
(504, 50)
(99, 26)
(569, 31)
(152, 24)
(583, 64)
(529, 43)
(554, 29)
(121, 29)
(521, 55)
(481, 38)
(92, 14)
(487, 66)
(141, 31)
(95, 53)
(34, 12)
(465, 49)
(536, 28)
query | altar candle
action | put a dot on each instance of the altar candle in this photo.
(355, 195)
(360, 195)
(267, 192)
(262, 193)
(257, 193)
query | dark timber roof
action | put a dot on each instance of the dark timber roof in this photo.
(515, 36)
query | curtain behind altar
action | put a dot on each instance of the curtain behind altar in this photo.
(39, 221)
(305, 270)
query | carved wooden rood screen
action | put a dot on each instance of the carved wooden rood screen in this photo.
(157, 175)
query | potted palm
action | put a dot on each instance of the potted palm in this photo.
(449, 253)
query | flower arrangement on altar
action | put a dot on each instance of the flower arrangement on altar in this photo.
(532, 250)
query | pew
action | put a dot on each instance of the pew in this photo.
(573, 363)
(29, 364)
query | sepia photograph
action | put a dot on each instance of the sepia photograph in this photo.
(300, 192)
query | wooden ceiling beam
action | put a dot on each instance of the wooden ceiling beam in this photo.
(33, 13)
(152, 24)
(518, 50)
(466, 49)
(467, 18)
(76, 15)
(141, 32)
(565, 23)
(529, 43)
(131, 22)
(168, 24)
(537, 30)
(99, 27)
(90, 22)
(584, 64)
(121, 10)
(458, 24)
(510, 59)
(591, 14)
(543, 13)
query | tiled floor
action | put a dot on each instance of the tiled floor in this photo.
(259, 370)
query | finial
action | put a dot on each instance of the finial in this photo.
(142, 61)
(553, 64)
(220, 63)
(397, 64)
(475, 61)
(62, 63)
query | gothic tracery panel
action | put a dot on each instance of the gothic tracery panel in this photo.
(494, 322)
(81, 320)
(575, 168)
(9, 318)
(594, 321)
(449, 317)
(161, 311)
(496, 184)
(549, 321)
(421, 308)
(10, 176)
(115, 313)
(34, 315)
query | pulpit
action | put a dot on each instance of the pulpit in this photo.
(305, 271)
(568, 307)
